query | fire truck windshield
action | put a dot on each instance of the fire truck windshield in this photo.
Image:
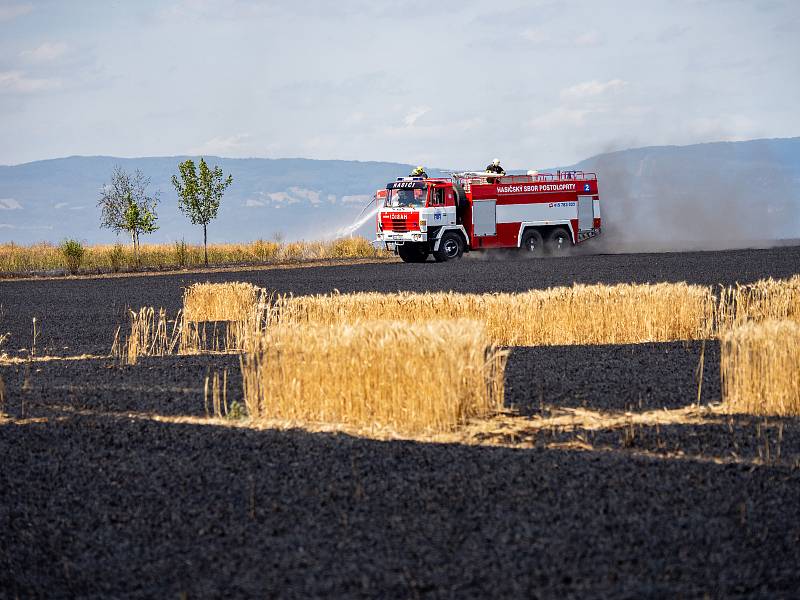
(412, 197)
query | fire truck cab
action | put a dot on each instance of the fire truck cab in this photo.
(538, 214)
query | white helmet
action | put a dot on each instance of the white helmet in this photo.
(496, 161)
(533, 173)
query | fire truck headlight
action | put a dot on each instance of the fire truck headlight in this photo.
(423, 225)
(416, 237)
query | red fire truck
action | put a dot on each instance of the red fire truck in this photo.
(540, 213)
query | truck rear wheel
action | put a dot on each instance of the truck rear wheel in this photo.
(451, 247)
(413, 253)
(559, 242)
(532, 243)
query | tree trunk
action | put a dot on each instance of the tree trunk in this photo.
(135, 247)
(205, 243)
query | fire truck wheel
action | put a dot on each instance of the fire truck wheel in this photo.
(451, 247)
(532, 243)
(413, 253)
(558, 242)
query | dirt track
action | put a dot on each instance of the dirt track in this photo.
(99, 499)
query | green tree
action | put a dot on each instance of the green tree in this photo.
(199, 194)
(127, 206)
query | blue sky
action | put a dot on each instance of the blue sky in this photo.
(448, 84)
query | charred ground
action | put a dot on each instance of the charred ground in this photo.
(99, 498)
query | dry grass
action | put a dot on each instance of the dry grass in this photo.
(596, 314)
(221, 316)
(152, 334)
(760, 368)
(18, 259)
(410, 378)
(764, 300)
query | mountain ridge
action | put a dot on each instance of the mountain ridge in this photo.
(710, 192)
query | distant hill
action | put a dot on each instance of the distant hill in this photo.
(706, 195)
(293, 198)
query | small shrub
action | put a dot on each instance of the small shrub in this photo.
(72, 252)
(181, 253)
(117, 257)
(237, 411)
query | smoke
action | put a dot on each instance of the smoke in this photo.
(710, 196)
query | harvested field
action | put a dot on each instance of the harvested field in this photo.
(604, 481)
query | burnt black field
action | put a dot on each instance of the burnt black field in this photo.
(98, 498)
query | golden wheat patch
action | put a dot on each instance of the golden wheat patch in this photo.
(767, 299)
(232, 301)
(760, 368)
(410, 378)
(582, 314)
(220, 316)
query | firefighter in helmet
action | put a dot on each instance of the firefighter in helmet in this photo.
(494, 167)
(419, 172)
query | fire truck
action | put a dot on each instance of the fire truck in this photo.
(539, 214)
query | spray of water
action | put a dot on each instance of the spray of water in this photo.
(358, 223)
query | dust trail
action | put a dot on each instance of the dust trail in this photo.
(703, 197)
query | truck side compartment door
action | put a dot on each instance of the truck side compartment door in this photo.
(484, 217)
(585, 213)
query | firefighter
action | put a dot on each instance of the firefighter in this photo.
(494, 167)
(419, 172)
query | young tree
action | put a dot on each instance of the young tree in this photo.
(200, 191)
(126, 206)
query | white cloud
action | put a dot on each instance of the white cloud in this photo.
(18, 82)
(589, 89)
(26, 227)
(9, 204)
(58, 205)
(415, 114)
(223, 145)
(560, 117)
(253, 202)
(46, 52)
(12, 11)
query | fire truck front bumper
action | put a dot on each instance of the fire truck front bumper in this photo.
(392, 239)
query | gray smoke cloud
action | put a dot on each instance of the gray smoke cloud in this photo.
(708, 196)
